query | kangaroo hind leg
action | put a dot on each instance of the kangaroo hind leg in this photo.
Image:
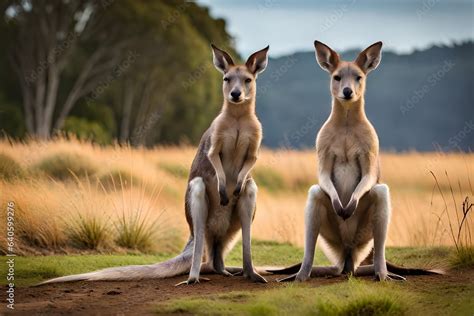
(315, 205)
(381, 218)
(218, 258)
(246, 210)
(199, 211)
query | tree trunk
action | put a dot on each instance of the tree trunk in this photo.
(47, 35)
(129, 91)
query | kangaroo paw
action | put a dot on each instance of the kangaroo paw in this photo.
(257, 278)
(225, 273)
(395, 277)
(290, 278)
(388, 276)
(234, 270)
(223, 196)
(192, 281)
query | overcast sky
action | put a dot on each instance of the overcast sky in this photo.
(289, 26)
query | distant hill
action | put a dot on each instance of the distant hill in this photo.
(420, 101)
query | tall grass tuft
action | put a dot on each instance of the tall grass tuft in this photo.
(459, 227)
(136, 227)
(10, 169)
(88, 226)
(38, 226)
(118, 178)
(136, 231)
(89, 232)
(37, 230)
(65, 166)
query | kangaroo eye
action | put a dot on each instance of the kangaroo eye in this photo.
(358, 78)
(337, 78)
(248, 80)
(226, 79)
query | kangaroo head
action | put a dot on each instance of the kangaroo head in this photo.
(348, 77)
(239, 80)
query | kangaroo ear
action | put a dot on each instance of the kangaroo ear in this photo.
(370, 57)
(326, 57)
(257, 62)
(222, 61)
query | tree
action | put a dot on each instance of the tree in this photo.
(45, 35)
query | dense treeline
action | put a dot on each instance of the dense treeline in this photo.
(136, 71)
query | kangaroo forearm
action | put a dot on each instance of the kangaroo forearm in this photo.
(217, 164)
(369, 175)
(364, 186)
(248, 165)
(325, 171)
(326, 184)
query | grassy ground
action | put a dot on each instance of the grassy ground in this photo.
(361, 298)
(30, 270)
(352, 297)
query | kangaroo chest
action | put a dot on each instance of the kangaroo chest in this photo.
(346, 172)
(234, 150)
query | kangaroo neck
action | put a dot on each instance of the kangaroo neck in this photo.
(348, 113)
(246, 108)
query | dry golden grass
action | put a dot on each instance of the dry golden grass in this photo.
(152, 182)
(416, 204)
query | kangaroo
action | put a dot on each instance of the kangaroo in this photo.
(350, 209)
(221, 195)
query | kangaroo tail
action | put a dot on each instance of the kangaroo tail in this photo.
(390, 267)
(411, 271)
(288, 270)
(175, 266)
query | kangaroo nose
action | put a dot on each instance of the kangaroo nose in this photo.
(235, 94)
(347, 93)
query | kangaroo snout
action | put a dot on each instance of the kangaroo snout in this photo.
(235, 95)
(347, 92)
